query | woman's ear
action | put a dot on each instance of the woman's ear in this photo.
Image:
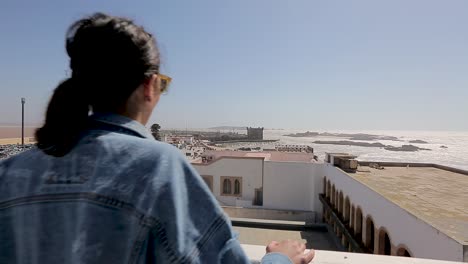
(151, 87)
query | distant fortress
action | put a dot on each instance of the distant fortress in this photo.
(255, 133)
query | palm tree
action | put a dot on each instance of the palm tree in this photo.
(155, 131)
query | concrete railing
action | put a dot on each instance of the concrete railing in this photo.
(255, 253)
(270, 214)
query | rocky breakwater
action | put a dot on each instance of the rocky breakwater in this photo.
(407, 148)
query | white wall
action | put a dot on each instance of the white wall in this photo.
(292, 186)
(286, 185)
(250, 170)
(403, 228)
(270, 214)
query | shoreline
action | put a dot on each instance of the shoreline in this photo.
(13, 141)
(9, 132)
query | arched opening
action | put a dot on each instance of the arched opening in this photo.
(385, 245)
(352, 217)
(340, 204)
(237, 187)
(347, 206)
(333, 196)
(226, 186)
(370, 236)
(403, 252)
(358, 226)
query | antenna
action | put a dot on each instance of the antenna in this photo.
(23, 101)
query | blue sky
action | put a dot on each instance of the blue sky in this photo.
(327, 64)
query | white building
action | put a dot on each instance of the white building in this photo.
(241, 178)
(294, 148)
(178, 139)
(420, 210)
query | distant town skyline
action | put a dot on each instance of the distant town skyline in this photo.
(328, 65)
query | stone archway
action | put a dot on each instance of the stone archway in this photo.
(385, 244)
(347, 205)
(340, 204)
(358, 224)
(403, 252)
(370, 234)
(352, 219)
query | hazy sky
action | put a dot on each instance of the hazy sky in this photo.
(327, 64)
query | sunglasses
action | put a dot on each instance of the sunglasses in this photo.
(164, 82)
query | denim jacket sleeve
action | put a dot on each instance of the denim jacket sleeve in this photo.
(194, 228)
(233, 253)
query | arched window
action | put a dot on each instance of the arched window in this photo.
(340, 204)
(370, 238)
(403, 252)
(385, 245)
(227, 186)
(237, 187)
(346, 209)
(352, 219)
(358, 224)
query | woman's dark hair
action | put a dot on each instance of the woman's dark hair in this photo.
(109, 58)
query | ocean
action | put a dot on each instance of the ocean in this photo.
(455, 155)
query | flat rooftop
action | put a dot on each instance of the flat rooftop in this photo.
(267, 155)
(436, 196)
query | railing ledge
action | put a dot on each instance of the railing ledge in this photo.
(255, 254)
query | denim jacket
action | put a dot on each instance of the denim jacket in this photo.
(118, 196)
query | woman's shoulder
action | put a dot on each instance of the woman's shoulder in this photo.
(131, 146)
(158, 150)
(22, 159)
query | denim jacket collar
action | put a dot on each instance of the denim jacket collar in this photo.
(122, 122)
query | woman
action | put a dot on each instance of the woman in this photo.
(99, 189)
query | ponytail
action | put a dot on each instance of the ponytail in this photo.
(66, 117)
(109, 58)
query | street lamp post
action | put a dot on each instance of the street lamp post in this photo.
(23, 101)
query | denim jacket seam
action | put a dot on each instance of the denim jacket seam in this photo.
(137, 244)
(121, 127)
(162, 235)
(145, 222)
(191, 256)
(110, 127)
(206, 237)
(80, 196)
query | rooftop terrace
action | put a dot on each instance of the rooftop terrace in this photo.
(437, 196)
(266, 155)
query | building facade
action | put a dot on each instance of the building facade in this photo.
(373, 209)
(255, 133)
